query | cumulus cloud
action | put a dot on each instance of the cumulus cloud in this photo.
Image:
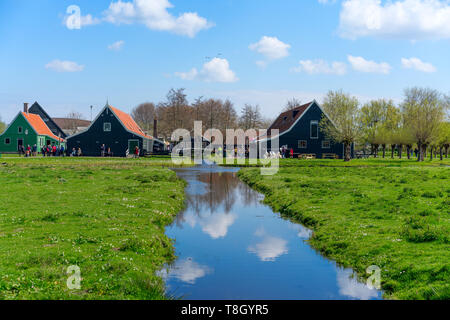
(270, 248)
(362, 65)
(116, 46)
(417, 64)
(64, 66)
(408, 19)
(216, 70)
(271, 48)
(154, 15)
(187, 271)
(319, 66)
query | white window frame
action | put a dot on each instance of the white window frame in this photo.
(299, 144)
(329, 144)
(104, 126)
(310, 129)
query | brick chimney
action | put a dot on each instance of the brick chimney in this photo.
(25, 107)
(155, 128)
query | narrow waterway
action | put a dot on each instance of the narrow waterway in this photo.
(231, 246)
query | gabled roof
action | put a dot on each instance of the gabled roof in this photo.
(39, 126)
(52, 125)
(129, 123)
(288, 118)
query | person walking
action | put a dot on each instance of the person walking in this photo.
(102, 150)
(136, 152)
(292, 153)
(62, 151)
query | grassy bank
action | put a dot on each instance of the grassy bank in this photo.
(395, 215)
(106, 216)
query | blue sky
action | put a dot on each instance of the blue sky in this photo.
(261, 52)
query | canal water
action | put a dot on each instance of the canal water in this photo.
(231, 246)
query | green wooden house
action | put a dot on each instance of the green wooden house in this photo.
(28, 129)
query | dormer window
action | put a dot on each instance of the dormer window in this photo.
(294, 114)
(285, 118)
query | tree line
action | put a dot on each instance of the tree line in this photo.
(420, 121)
(177, 112)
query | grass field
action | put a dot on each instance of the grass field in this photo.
(106, 216)
(391, 213)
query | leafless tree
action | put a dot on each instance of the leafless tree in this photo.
(292, 104)
(73, 118)
(144, 115)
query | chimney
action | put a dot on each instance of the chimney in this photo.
(25, 107)
(155, 128)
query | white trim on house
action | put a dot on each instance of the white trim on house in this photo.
(316, 122)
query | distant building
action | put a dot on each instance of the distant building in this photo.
(116, 130)
(72, 126)
(299, 130)
(51, 124)
(28, 129)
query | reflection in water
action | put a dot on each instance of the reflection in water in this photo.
(222, 257)
(187, 271)
(349, 286)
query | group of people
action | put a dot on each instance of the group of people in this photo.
(286, 153)
(53, 151)
(28, 151)
(105, 152)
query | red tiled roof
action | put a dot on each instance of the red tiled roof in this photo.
(286, 120)
(129, 123)
(39, 126)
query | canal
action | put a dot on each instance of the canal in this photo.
(231, 246)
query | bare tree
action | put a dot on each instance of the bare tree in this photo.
(292, 104)
(73, 118)
(251, 118)
(344, 126)
(144, 115)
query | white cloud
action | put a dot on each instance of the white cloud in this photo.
(417, 64)
(319, 66)
(363, 65)
(216, 70)
(217, 225)
(187, 271)
(270, 248)
(271, 48)
(116, 46)
(349, 286)
(154, 15)
(64, 66)
(408, 19)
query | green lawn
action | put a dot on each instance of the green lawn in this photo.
(390, 213)
(106, 216)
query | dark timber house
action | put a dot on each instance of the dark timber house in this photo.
(116, 130)
(299, 130)
(51, 124)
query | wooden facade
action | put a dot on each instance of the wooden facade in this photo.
(299, 130)
(117, 131)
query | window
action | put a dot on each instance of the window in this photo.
(325, 144)
(107, 127)
(314, 129)
(7, 141)
(302, 144)
(19, 129)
